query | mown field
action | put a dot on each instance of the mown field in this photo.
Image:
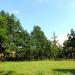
(38, 68)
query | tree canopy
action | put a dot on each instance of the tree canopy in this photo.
(17, 44)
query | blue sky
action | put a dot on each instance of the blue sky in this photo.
(51, 15)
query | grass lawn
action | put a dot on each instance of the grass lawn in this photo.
(38, 68)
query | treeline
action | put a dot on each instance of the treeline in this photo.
(17, 44)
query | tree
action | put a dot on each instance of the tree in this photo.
(69, 45)
(24, 45)
(47, 52)
(55, 47)
(3, 30)
(11, 32)
(39, 42)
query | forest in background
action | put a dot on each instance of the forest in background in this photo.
(17, 44)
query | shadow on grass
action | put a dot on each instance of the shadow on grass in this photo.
(9, 73)
(71, 71)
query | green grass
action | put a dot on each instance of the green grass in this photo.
(38, 68)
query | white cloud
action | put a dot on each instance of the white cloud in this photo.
(61, 38)
(14, 12)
